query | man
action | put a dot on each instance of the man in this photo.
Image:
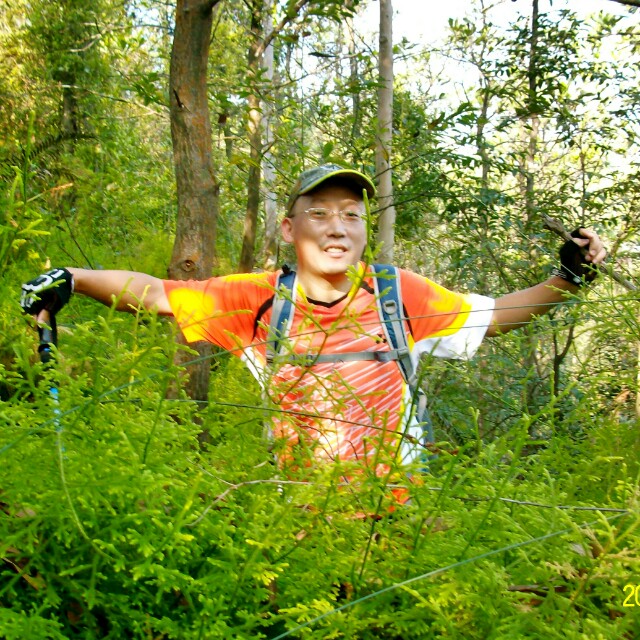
(351, 409)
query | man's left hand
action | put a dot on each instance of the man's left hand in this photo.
(580, 256)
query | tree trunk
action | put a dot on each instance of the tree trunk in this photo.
(531, 127)
(268, 166)
(247, 255)
(354, 83)
(263, 33)
(628, 3)
(387, 218)
(197, 188)
(485, 203)
(533, 124)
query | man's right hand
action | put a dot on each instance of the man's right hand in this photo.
(50, 291)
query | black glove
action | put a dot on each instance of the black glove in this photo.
(573, 266)
(50, 291)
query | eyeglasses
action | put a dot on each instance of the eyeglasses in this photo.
(322, 216)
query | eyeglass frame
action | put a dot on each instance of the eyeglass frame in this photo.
(330, 213)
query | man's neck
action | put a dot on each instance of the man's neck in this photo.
(325, 289)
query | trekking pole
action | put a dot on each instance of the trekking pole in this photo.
(48, 334)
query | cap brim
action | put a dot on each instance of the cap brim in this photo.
(355, 176)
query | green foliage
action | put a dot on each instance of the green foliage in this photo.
(21, 222)
(117, 523)
(120, 526)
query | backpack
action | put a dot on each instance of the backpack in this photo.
(391, 311)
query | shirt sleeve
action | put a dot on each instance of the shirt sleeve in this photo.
(220, 310)
(444, 324)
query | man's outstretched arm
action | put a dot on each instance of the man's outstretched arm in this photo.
(130, 289)
(517, 309)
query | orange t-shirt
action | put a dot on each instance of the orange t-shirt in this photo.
(350, 410)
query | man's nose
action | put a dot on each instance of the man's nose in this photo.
(335, 225)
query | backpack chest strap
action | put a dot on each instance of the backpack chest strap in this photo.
(308, 360)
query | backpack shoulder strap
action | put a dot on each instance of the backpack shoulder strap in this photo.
(391, 310)
(281, 312)
(389, 300)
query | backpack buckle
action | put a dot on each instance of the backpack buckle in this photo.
(390, 307)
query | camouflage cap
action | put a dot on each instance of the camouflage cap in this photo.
(312, 178)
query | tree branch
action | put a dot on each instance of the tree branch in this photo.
(291, 15)
(210, 6)
(628, 3)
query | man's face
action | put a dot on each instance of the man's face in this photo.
(326, 248)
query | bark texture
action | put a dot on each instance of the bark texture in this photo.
(270, 261)
(386, 224)
(254, 124)
(197, 188)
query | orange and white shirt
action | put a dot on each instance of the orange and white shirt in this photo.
(353, 410)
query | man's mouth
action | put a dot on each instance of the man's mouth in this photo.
(335, 249)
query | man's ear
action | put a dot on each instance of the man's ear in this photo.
(286, 227)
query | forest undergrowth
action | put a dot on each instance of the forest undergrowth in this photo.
(128, 511)
(117, 523)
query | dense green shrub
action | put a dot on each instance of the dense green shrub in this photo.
(116, 524)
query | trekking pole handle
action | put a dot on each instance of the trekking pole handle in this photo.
(48, 334)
